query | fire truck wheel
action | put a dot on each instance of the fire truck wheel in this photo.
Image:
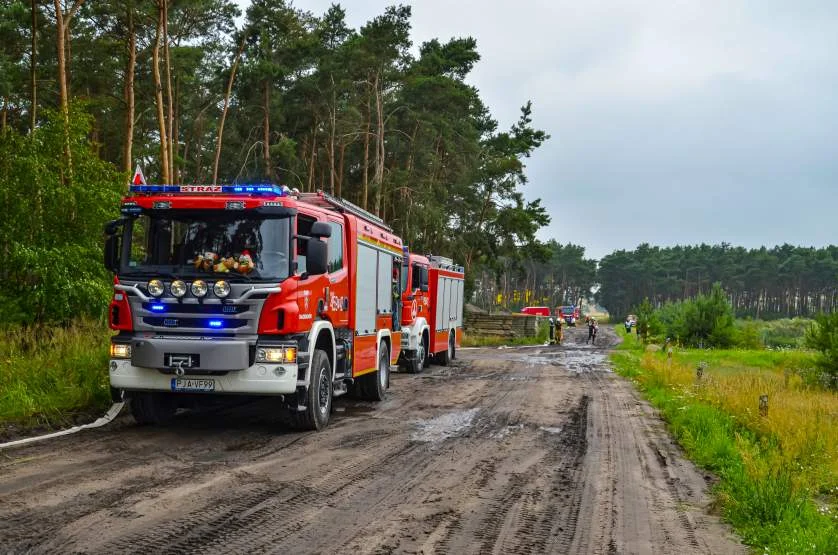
(429, 356)
(153, 408)
(375, 385)
(445, 356)
(318, 396)
(417, 364)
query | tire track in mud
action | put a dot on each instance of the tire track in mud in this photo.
(530, 505)
(556, 455)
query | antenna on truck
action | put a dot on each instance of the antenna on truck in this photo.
(324, 199)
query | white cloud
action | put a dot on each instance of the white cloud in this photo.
(698, 120)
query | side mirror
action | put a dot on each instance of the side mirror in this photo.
(112, 253)
(320, 229)
(113, 244)
(424, 283)
(112, 227)
(316, 257)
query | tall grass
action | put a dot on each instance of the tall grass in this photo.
(778, 471)
(48, 373)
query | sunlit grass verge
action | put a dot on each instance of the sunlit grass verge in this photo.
(778, 472)
(50, 374)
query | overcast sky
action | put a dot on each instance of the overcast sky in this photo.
(671, 121)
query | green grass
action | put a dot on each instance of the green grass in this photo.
(48, 374)
(778, 473)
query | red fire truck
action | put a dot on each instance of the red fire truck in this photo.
(254, 290)
(432, 317)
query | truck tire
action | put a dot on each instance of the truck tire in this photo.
(374, 385)
(416, 365)
(444, 358)
(153, 408)
(318, 395)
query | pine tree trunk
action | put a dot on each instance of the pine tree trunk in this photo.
(62, 83)
(365, 192)
(339, 190)
(130, 66)
(177, 170)
(266, 137)
(332, 131)
(379, 147)
(169, 98)
(226, 107)
(310, 187)
(33, 81)
(158, 93)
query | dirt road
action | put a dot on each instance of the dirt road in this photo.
(529, 450)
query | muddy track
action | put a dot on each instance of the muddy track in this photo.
(527, 450)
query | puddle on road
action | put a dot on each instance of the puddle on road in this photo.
(550, 430)
(574, 359)
(444, 426)
(353, 410)
(503, 432)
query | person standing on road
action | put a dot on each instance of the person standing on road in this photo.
(591, 331)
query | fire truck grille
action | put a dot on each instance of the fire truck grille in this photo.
(206, 323)
(199, 308)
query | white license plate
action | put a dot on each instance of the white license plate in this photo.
(192, 384)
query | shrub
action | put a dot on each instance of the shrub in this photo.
(51, 233)
(822, 336)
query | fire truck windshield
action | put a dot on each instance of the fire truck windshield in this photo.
(202, 243)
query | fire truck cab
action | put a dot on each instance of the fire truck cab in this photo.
(250, 290)
(416, 313)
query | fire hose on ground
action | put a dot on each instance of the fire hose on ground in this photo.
(112, 413)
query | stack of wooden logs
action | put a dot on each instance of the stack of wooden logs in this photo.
(500, 325)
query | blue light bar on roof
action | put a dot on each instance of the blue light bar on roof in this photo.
(278, 190)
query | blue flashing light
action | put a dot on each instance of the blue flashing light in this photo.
(216, 323)
(155, 188)
(158, 307)
(239, 189)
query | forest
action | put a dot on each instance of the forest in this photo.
(766, 283)
(196, 92)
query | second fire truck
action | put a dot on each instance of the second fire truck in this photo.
(432, 316)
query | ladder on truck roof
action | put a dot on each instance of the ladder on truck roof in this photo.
(326, 200)
(444, 263)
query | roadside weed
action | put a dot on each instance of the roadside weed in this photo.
(778, 470)
(48, 373)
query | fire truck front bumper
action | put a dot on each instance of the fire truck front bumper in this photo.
(258, 379)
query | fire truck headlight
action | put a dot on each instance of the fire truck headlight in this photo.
(120, 350)
(269, 354)
(178, 288)
(199, 288)
(287, 355)
(155, 288)
(221, 289)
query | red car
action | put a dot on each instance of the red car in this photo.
(536, 310)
